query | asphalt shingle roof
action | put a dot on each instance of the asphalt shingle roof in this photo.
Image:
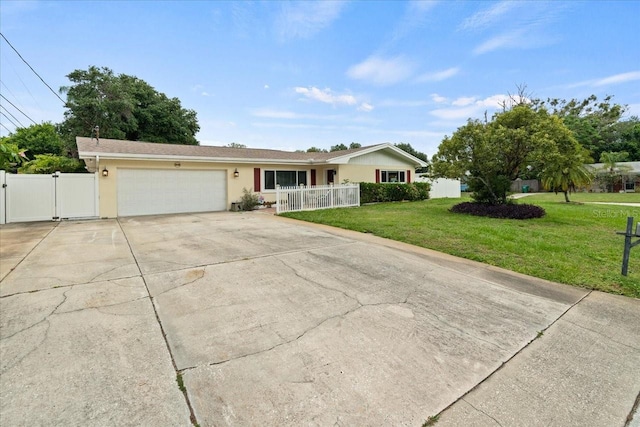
(91, 146)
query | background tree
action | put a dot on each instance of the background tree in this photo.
(123, 107)
(316, 150)
(338, 147)
(626, 138)
(236, 145)
(611, 173)
(48, 163)
(595, 124)
(407, 148)
(38, 139)
(11, 156)
(355, 145)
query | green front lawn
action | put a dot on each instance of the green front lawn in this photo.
(574, 243)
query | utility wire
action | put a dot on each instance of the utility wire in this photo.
(15, 98)
(14, 117)
(7, 61)
(5, 127)
(34, 71)
(23, 113)
(14, 125)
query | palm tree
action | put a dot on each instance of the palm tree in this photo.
(565, 173)
(611, 171)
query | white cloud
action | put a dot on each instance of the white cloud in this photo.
(610, 80)
(439, 76)
(366, 107)
(381, 71)
(326, 96)
(455, 113)
(511, 39)
(266, 86)
(488, 17)
(515, 25)
(274, 114)
(290, 115)
(618, 78)
(463, 101)
(205, 94)
(471, 107)
(305, 19)
(437, 98)
(415, 15)
(402, 103)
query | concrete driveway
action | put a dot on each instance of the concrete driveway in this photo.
(250, 319)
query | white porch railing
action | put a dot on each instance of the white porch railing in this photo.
(290, 199)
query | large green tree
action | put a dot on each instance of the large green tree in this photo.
(38, 139)
(407, 148)
(123, 107)
(489, 155)
(596, 124)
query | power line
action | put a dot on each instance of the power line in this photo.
(5, 127)
(23, 113)
(6, 117)
(34, 71)
(14, 117)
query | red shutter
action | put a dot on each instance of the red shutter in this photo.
(256, 180)
(408, 176)
(377, 176)
(313, 177)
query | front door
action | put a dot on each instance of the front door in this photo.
(331, 173)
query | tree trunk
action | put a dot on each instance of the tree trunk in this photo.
(566, 196)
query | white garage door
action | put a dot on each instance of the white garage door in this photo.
(163, 191)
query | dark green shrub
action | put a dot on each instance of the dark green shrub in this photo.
(249, 200)
(376, 193)
(505, 211)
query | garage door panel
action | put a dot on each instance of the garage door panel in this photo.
(164, 191)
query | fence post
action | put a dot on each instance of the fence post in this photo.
(627, 246)
(357, 194)
(331, 194)
(278, 195)
(3, 190)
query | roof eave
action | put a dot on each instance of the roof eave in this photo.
(164, 157)
(344, 159)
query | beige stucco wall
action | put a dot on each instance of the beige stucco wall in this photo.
(367, 173)
(356, 172)
(108, 185)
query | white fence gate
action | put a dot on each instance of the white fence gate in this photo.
(27, 197)
(289, 199)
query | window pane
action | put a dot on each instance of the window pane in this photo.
(402, 177)
(393, 176)
(286, 178)
(302, 177)
(384, 177)
(269, 180)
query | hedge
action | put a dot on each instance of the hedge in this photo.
(375, 193)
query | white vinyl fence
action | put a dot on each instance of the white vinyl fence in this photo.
(290, 199)
(27, 197)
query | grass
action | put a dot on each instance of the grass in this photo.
(575, 243)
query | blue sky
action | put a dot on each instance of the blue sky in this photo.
(291, 75)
